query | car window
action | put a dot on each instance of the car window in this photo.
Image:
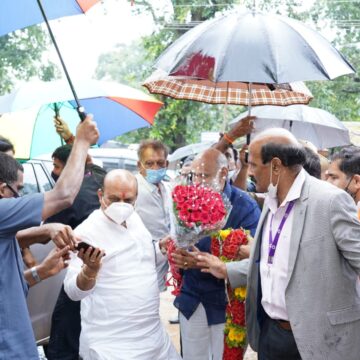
(49, 165)
(118, 163)
(30, 183)
(42, 178)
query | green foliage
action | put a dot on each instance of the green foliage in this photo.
(21, 57)
(181, 122)
(342, 95)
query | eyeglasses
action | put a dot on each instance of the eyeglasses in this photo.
(16, 194)
(150, 164)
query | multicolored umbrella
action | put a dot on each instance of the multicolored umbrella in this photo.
(18, 14)
(117, 109)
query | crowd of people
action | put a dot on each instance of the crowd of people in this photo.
(112, 230)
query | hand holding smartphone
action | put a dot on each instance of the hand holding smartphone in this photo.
(84, 245)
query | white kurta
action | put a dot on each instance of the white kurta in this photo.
(120, 315)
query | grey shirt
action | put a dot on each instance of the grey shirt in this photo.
(152, 206)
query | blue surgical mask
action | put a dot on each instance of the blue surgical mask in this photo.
(155, 176)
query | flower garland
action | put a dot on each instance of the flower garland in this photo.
(175, 279)
(225, 245)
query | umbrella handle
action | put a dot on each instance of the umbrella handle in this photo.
(79, 108)
(81, 111)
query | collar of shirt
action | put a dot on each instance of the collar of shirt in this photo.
(293, 194)
(151, 187)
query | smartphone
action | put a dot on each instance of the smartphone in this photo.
(84, 245)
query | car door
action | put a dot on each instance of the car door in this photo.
(42, 297)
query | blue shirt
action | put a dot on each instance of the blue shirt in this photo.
(17, 340)
(205, 288)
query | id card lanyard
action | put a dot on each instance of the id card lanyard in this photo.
(274, 241)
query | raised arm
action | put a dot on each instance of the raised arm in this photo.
(241, 128)
(68, 185)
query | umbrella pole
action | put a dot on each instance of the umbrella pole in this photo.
(225, 109)
(249, 114)
(57, 115)
(79, 108)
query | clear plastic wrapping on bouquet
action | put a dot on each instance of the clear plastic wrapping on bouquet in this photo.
(196, 211)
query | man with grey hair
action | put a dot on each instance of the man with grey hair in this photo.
(153, 198)
(117, 285)
(302, 301)
(202, 300)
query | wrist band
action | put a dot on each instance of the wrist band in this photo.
(70, 140)
(35, 274)
(228, 138)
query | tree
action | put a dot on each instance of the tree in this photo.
(21, 55)
(180, 122)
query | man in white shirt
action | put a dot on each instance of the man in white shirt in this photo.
(153, 197)
(118, 291)
(302, 300)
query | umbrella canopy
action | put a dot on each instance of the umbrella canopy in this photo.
(250, 46)
(318, 126)
(19, 14)
(22, 13)
(230, 92)
(117, 109)
(188, 150)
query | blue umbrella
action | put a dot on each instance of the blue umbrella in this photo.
(28, 112)
(18, 14)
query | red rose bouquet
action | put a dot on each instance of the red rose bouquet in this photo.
(197, 211)
(225, 245)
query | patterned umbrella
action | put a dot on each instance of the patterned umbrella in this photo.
(229, 92)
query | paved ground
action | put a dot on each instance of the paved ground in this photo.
(168, 311)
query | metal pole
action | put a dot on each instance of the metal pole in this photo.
(79, 108)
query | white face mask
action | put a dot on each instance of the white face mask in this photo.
(272, 189)
(119, 212)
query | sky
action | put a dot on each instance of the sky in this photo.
(83, 38)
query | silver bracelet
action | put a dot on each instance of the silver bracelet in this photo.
(35, 274)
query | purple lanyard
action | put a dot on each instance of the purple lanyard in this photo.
(273, 242)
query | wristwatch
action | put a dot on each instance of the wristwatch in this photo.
(35, 274)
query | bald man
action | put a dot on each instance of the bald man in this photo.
(202, 300)
(301, 301)
(116, 280)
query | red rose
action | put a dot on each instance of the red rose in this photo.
(236, 311)
(215, 246)
(234, 353)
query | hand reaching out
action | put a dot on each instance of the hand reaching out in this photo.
(211, 264)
